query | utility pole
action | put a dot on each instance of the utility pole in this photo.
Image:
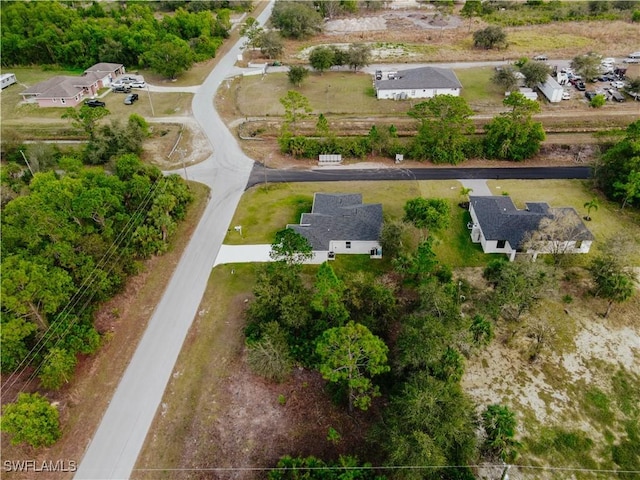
(27, 162)
(150, 102)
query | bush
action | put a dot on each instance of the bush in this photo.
(32, 419)
(597, 101)
(269, 356)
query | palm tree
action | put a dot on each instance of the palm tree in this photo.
(592, 204)
(464, 192)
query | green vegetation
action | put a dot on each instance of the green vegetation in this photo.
(69, 244)
(118, 34)
(32, 420)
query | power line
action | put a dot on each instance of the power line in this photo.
(88, 281)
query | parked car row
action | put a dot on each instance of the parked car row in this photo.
(127, 82)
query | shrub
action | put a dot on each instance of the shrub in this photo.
(31, 419)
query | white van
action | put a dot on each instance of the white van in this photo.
(8, 79)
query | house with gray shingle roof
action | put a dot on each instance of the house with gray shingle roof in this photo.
(500, 227)
(341, 223)
(425, 82)
(68, 91)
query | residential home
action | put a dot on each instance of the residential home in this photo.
(500, 227)
(68, 91)
(340, 223)
(425, 82)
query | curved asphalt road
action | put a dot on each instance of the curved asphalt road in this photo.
(118, 440)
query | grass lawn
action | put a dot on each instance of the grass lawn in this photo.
(337, 93)
(33, 121)
(477, 87)
(265, 210)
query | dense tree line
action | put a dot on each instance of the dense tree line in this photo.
(618, 174)
(445, 133)
(69, 243)
(55, 33)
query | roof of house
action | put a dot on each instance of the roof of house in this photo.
(104, 67)
(56, 87)
(339, 216)
(63, 86)
(499, 219)
(421, 78)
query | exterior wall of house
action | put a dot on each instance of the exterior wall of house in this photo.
(356, 247)
(396, 94)
(563, 247)
(59, 102)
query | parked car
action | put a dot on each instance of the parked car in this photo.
(616, 96)
(129, 99)
(580, 86)
(541, 58)
(121, 88)
(138, 84)
(589, 95)
(378, 74)
(617, 84)
(566, 95)
(127, 79)
(94, 103)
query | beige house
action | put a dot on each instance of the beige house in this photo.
(68, 91)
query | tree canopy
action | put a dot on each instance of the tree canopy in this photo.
(445, 121)
(80, 35)
(31, 419)
(617, 175)
(514, 135)
(69, 243)
(297, 20)
(351, 355)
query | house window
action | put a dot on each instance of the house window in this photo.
(578, 244)
(413, 92)
(348, 244)
(501, 244)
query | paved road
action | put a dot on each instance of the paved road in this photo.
(118, 440)
(258, 175)
(120, 436)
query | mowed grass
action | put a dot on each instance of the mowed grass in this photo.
(337, 93)
(264, 210)
(477, 87)
(608, 222)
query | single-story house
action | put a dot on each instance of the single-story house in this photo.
(67, 91)
(425, 82)
(341, 223)
(502, 228)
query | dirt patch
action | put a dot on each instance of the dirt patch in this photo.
(175, 145)
(551, 391)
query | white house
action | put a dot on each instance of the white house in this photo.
(425, 82)
(340, 223)
(502, 228)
